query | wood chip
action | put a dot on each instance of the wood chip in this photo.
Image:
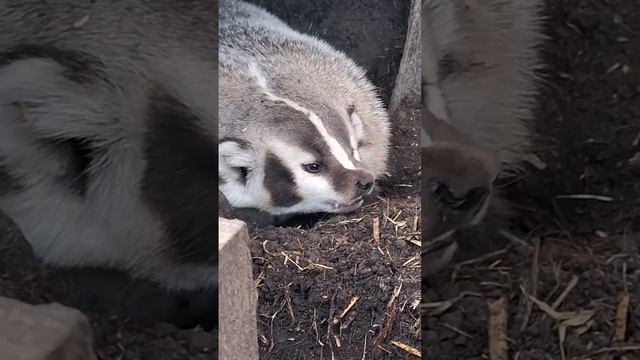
(622, 314)
(376, 229)
(411, 350)
(416, 242)
(498, 348)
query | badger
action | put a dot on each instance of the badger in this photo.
(479, 81)
(109, 135)
(457, 177)
(302, 129)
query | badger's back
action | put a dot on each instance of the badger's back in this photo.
(124, 48)
(479, 68)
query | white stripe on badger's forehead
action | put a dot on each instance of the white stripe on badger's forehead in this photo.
(334, 146)
(356, 134)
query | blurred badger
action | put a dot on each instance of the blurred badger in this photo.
(109, 127)
(478, 88)
(301, 128)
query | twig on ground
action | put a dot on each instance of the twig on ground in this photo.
(458, 331)
(287, 298)
(620, 323)
(390, 315)
(533, 283)
(411, 350)
(564, 319)
(586, 197)
(364, 347)
(376, 229)
(572, 284)
(442, 306)
(514, 239)
(498, 348)
(344, 312)
(482, 258)
(613, 349)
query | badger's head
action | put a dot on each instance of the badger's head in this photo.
(304, 158)
(457, 178)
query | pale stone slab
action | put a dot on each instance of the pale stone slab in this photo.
(43, 332)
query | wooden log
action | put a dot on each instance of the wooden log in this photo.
(407, 86)
(238, 298)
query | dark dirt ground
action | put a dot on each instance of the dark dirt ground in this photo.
(588, 130)
(307, 276)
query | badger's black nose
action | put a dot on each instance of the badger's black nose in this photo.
(364, 185)
(467, 201)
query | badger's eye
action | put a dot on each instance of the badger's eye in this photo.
(313, 167)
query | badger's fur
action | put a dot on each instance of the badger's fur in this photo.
(478, 73)
(301, 128)
(108, 115)
(479, 62)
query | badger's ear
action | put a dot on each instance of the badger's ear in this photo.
(236, 158)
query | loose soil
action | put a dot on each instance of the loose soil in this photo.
(588, 128)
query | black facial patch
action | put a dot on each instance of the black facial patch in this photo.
(180, 178)
(76, 155)
(279, 181)
(79, 66)
(8, 183)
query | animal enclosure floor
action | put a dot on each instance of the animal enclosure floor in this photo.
(581, 257)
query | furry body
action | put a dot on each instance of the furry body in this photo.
(478, 73)
(109, 120)
(479, 92)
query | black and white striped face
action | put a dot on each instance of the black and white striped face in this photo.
(306, 162)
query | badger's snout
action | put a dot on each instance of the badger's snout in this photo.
(456, 188)
(362, 181)
(457, 178)
(456, 191)
(471, 200)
